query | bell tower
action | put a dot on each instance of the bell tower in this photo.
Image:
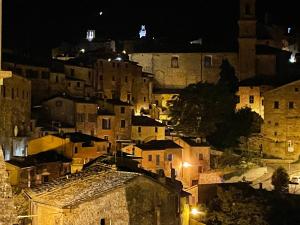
(247, 39)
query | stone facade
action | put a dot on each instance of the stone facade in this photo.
(15, 111)
(178, 70)
(252, 97)
(281, 124)
(7, 209)
(119, 198)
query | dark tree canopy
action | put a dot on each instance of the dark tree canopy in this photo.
(200, 107)
(280, 180)
(228, 77)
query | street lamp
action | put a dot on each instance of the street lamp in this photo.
(186, 164)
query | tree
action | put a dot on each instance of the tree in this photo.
(280, 180)
(228, 77)
(200, 107)
(237, 206)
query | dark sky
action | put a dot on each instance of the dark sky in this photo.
(40, 25)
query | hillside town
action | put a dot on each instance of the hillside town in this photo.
(151, 131)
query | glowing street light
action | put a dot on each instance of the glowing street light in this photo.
(186, 164)
(195, 211)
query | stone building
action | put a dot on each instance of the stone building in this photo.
(178, 66)
(8, 212)
(80, 113)
(105, 197)
(145, 129)
(251, 96)
(37, 169)
(158, 155)
(120, 123)
(15, 111)
(281, 123)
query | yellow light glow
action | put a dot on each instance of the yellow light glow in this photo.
(195, 211)
(186, 165)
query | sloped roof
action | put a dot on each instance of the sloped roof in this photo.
(36, 159)
(146, 121)
(76, 137)
(158, 145)
(80, 187)
(193, 143)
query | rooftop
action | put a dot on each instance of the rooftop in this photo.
(80, 137)
(193, 143)
(117, 102)
(158, 145)
(146, 121)
(105, 112)
(40, 158)
(80, 187)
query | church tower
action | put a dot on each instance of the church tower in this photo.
(247, 39)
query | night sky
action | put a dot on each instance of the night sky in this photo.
(37, 26)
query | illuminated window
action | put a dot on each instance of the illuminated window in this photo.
(90, 35)
(251, 99)
(276, 105)
(291, 105)
(174, 62)
(208, 61)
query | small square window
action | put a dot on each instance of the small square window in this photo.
(174, 62)
(276, 124)
(251, 99)
(296, 89)
(291, 105)
(122, 110)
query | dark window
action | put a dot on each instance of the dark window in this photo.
(200, 156)
(262, 102)
(123, 123)
(275, 133)
(276, 124)
(45, 75)
(56, 79)
(58, 103)
(247, 9)
(200, 169)
(100, 77)
(90, 75)
(78, 84)
(144, 80)
(208, 61)
(45, 179)
(144, 99)
(92, 117)
(139, 129)
(296, 89)
(157, 160)
(12, 93)
(106, 124)
(113, 78)
(17, 92)
(170, 157)
(276, 105)
(155, 129)
(72, 72)
(102, 222)
(128, 97)
(291, 105)
(194, 182)
(251, 99)
(106, 137)
(174, 62)
(69, 84)
(76, 150)
(126, 65)
(126, 79)
(122, 109)
(113, 64)
(150, 158)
